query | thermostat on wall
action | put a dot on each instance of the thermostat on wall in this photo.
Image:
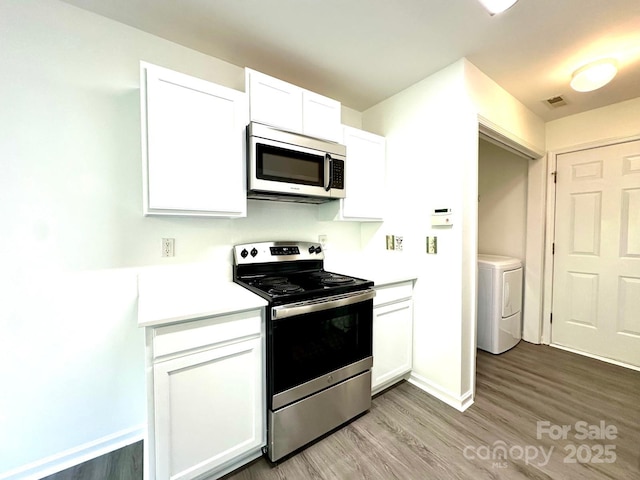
(441, 217)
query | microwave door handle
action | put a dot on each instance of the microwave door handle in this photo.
(328, 165)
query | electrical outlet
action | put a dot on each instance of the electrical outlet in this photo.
(390, 242)
(432, 245)
(397, 241)
(168, 247)
(324, 240)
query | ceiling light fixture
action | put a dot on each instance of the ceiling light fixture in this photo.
(497, 6)
(594, 75)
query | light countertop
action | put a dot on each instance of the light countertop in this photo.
(380, 271)
(167, 297)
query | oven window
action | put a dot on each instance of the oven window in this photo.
(282, 165)
(308, 346)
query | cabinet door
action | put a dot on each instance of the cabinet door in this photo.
(321, 117)
(193, 146)
(392, 343)
(365, 171)
(209, 409)
(274, 102)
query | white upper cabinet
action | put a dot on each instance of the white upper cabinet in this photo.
(364, 179)
(193, 145)
(321, 117)
(283, 105)
(274, 102)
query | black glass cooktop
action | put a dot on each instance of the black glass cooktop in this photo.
(288, 272)
(291, 287)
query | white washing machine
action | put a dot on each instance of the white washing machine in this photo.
(499, 303)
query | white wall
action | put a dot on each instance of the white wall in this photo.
(617, 121)
(432, 160)
(522, 128)
(432, 139)
(502, 206)
(73, 235)
(499, 107)
(351, 117)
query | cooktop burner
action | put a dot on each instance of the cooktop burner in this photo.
(271, 281)
(328, 278)
(284, 289)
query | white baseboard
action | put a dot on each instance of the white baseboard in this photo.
(460, 403)
(75, 456)
(596, 357)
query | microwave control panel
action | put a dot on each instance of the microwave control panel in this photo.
(338, 174)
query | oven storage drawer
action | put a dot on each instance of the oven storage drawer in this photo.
(296, 393)
(299, 423)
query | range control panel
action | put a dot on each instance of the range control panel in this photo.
(288, 250)
(267, 252)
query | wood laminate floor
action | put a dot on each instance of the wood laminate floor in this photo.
(410, 435)
(122, 464)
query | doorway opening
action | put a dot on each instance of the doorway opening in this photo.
(502, 201)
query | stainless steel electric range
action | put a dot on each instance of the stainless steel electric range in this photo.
(318, 344)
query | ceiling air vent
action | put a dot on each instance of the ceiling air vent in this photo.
(555, 102)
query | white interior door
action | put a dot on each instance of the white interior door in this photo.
(596, 284)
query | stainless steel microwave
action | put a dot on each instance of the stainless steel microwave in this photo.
(287, 166)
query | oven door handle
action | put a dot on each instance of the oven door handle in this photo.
(319, 304)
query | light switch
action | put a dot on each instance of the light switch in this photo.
(432, 245)
(390, 242)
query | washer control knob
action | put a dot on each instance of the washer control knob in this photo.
(254, 252)
(318, 249)
(244, 253)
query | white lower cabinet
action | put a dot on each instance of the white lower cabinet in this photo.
(392, 334)
(208, 396)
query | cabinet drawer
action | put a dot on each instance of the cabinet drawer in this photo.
(209, 331)
(393, 293)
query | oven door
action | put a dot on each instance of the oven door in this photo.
(316, 344)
